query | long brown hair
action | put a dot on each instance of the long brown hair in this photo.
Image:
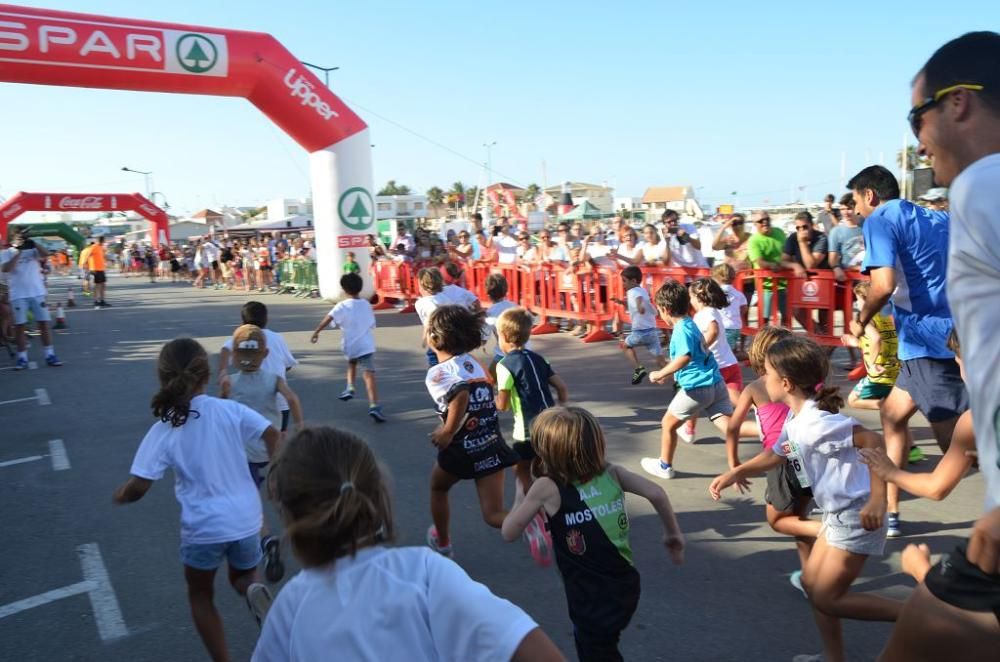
(762, 341)
(183, 371)
(570, 444)
(332, 493)
(806, 365)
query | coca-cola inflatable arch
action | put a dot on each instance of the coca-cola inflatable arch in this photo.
(47, 47)
(90, 202)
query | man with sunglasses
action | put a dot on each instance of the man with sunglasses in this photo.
(955, 612)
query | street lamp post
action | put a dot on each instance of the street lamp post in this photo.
(147, 175)
(489, 171)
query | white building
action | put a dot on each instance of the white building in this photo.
(600, 196)
(681, 199)
(627, 203)
(285, 207)
(400, 206)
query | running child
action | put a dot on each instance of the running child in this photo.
(821, 445)
(432, 295)
(202, 440)
(256, 388)
(699, 383)
(584, 498)
(643, 331)
(524, 385)
(878, 351)
(469, 442)
(351, 265)
(708, 300)
(362, 597)
(496, 290)
(357, 319)
(279, 359)
(734, 314)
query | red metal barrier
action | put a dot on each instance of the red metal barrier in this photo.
(394, 281)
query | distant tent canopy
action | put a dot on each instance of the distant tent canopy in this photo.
(61, 230)
(296, 223)
(583, 211)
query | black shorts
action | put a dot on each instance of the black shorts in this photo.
(258, 471)
(959, 583)
(936, 387)
(99, 277)
(471, 464)
(265, 267)
(284, 419)
(174, 266)
(524, 450)
(215, 265)
(783, 489)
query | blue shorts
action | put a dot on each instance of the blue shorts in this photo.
(240, 554)
(35, 304)
(733, 337)
(366, 362)
(649, 338)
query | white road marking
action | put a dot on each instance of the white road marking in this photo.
(31, 366)
(11, 402)
(107, 613)
(46, 598)
(43, 397)
(22, 460)
(57, 452)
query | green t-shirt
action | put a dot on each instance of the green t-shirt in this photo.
(767, 247)
(352, 268)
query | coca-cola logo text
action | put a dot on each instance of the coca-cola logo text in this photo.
(13, 211)
(88, 202)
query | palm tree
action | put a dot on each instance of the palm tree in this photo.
(392, 188)
(530, 194)
(456, 195)
(913, 160)
(435, 199)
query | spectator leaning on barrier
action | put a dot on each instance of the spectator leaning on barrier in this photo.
(847, 242)
(764, 252)
(682, 241)
(906, 261)
(655, 251)
(805, 250)
(732, 238)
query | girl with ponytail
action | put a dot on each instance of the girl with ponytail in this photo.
(202, 439)
(821, 446)
(360, 598)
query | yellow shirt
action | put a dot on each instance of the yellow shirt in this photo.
(887, 355)
(85, 256)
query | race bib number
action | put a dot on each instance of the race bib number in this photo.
(795, 461)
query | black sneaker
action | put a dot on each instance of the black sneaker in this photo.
(274, 569)
(638, 374)
(105, 304)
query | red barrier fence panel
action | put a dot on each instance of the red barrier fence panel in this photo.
(394, 281)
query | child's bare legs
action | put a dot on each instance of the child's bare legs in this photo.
(441, 482)
(916, 561)
(490, 490)
(794, 523)
(368, 376)
(352, 371)
(668, 437)
(854, 401)
(632, 357)
(827, 580)
(522, 475)
(201, 594)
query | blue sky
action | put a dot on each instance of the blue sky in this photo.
(758, 98)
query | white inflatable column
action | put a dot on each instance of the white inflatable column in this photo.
(343, 210)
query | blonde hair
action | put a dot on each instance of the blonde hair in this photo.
(514, 326)
(762, 342)
(724, 273)
(332, 494)
(430, 280)
(862, 288)
(569, 443)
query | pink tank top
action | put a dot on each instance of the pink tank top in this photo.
(771, 418)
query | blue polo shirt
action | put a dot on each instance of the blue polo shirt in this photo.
(913, 241)
(701, 370)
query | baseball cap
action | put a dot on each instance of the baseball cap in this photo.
(934, 194)
(249, 346)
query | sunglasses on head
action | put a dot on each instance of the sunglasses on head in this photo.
(916, 114)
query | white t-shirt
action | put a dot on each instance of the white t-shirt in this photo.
(653, 252)
(721, 350)
(506, 247)
(388, 604)
(490, 331)
(219, 501)
(279, 359)
(459, 296)
(731, 314)
(828, 457)
(428, 304)
(974, 296)
(630, 253)
(645, 320)
(25, 279)
(356, 318)
(686, 255)
(211, 252)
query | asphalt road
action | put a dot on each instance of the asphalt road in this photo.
(86, 581)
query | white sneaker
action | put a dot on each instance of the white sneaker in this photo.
(686, 432)
(654, 467)
(259, 600)
(818, 657)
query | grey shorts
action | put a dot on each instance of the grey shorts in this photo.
(34, 304)
(712, 401)
(367, 362)
(843, 530)
(649, 338)
(936, 387)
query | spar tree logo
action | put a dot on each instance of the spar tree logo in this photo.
(196, 53)
(357, 208)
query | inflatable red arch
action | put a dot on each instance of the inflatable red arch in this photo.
(47, 47)
(87, 202)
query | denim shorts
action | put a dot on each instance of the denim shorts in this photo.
(649, 338)
(35, 304)
(366, 362)
(843, 530)
(240, 554)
